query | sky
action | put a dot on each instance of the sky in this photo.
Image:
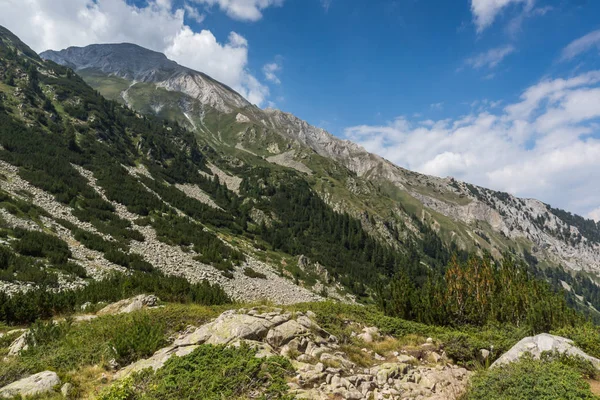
(501, 93)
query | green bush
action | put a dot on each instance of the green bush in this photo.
(210, 373)
(249, 272)
(45, 332)
(546, 379)
(138, 339)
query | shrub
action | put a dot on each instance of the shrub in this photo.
(530, 379)
(138, 339)
(253, 274)
(210, 373)
(45, 332)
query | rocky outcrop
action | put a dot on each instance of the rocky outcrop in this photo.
(536, 345)
(129, 305)
(324, 370)
(33, 385)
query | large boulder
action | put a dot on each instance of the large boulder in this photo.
(228, 327)
(536, 345)
(129, 305)
(282, 334)
(37, 384)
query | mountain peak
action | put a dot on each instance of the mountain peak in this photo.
(135, 64)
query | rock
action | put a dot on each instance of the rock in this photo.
(285, 332)
(369, 334)
(129, 305)
(227, 328)
(18, 345)
(536, 345)
(406, 359)
(37, 384)
(434, 357)
(66, 389)
(429, 340)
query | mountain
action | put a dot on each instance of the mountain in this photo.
(471, 216)
(128, 238)
(135, 64)
(252, 204)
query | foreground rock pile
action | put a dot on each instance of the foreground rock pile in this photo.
(324, 370)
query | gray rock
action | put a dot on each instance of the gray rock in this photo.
(66, 389)
(536, 345)
(41, 383)
(18, 345)
(284, 333)
(129, 305)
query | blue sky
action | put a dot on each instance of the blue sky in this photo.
(501, 93)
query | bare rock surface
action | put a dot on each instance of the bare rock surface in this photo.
(129, 305)
(536, 345)
(43, 382)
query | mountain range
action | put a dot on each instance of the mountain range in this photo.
(344, 174)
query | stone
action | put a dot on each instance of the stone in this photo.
(284, 333)
(41, 383)
(66, 389)
(536, 345)
(18, 345)
(227, 328)
(369, 334)
(130, 305)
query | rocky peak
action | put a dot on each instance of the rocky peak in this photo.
(137, 64)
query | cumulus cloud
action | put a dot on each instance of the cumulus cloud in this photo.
(490, 58)
(243, 10)
(486, 11)
(270, 70)
(193, 14)
(581, 45)
(49, 24)
(545, 145)
(595, 215)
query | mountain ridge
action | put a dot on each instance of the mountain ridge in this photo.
(256, 132)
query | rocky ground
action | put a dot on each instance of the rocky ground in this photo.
(323, 368)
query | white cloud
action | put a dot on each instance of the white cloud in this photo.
(326, 4)
(486, 11)
(243, 10)
(545, 145)
(437, 106)
(595, 214)
(194, 14)
(50, 24)
(581, 45)
(490, 58)
(270, 70)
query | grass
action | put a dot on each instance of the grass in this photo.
(85, 346)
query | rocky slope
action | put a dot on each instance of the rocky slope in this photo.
(137, 64)
(471, 216)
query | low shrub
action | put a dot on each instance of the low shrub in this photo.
(547, 379)
(138, 339)
(210, 373)
(249, 272)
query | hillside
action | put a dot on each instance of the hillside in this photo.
(471, 216)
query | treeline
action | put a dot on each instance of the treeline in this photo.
(479, 292)
(23, 308)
